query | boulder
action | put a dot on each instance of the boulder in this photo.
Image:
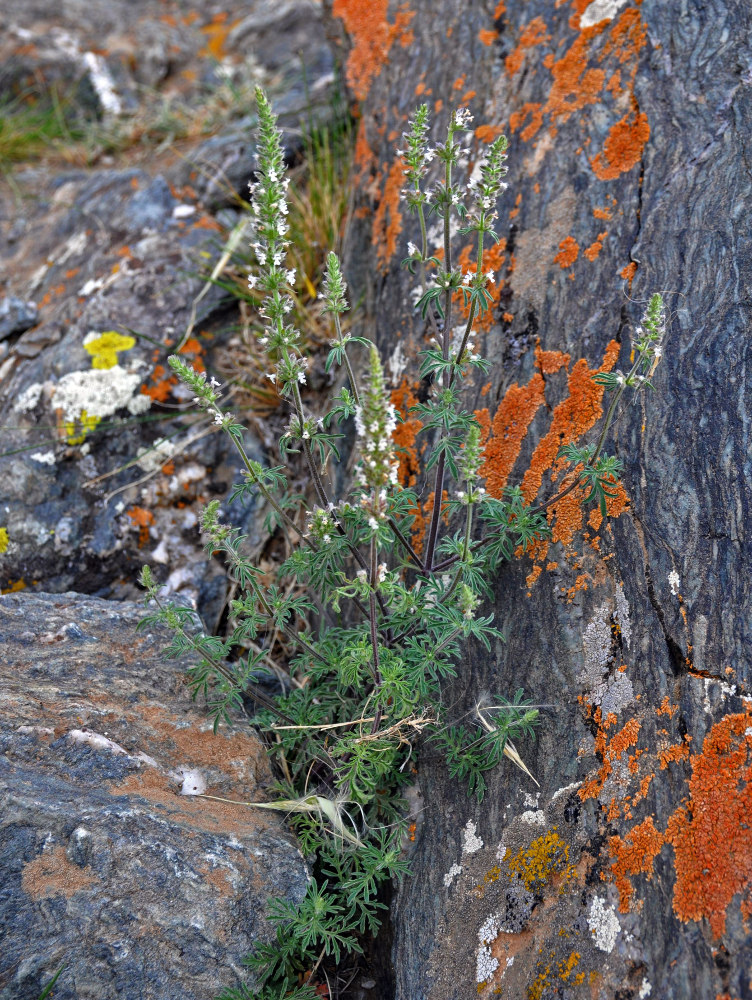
(624, 869)
(111, 867)
(104, 464)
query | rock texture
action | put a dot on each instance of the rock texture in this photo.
(103, 464)
(109, 867)
(627, 872)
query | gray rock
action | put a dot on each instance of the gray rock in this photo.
(649, 804)
(16, 315)
(109, 864)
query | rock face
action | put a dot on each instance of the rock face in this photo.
(628, 871)
(103, 463)
(109, 867)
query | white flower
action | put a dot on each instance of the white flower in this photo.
(326, 539)
(272, 378)
(467, 278)
(372, 523)
(290, 276)
(412, 249)
(306, 436)
(215, 383)
(490, 276)
(301, 378)
(252, 280)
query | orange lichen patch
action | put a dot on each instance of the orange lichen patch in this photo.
(614, 83)
(142, 518)
(459, 83)
(488, 36)
(423, 519)
(666, 708)
(607, 751)
(566, 519)
(501, 8)
(602, 213)
(532, 34)
(549, 362)
(572, 418)
(673, 755)
(507, 317)
(568, 251)
(161, 387)
(629, 272)
(468, 96)
(516, 210)
(517, 118)
(206, 222)
(711, 834)
(487, 133)
(623, 147)
(419, 89)
(372, 36)
(595, 248)
(405, 433)
(52, 874)
(387, 219)
(14, 586)
(508, 428)
(365, 158)
(634, 854)
(627, 36)
(533, 575)
(574, 85)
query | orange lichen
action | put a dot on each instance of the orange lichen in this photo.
(532, 34)
(572, 418)
(387, 219)
(634, 854)
(628, 35)
(674, 754)
(549, 362)
(533, 575)
(162, 386)
(141, 518)
(488, 36)
(365, 157)
(629, 272)
(501, 8)
(568, 251)
(509, 426)
(666, 708)
(711, 834)
(372, 36)
(608, 751)
(517, 118)
(623, 147)
(595, 248)
(405, 433)
(423, 518)
(487, 133)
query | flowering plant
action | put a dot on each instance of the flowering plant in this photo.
(372, 622)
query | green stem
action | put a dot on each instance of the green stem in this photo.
(350, 373)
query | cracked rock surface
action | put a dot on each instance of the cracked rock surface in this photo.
(111, 865)
(626, 873)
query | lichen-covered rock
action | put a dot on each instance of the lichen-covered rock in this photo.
(627, 873)
(110, 866)
(103, 465)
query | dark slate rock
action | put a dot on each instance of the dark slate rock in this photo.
(105, 867)
(16, 315)
(645, 755)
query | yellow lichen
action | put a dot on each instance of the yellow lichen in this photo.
(104, 347)
(4, 540)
